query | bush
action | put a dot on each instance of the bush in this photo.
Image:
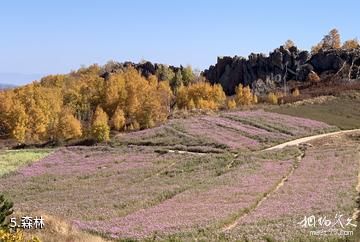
(295, 92)
(244, 96)
(231, 104)
(313, 77)
(18, 236)
(272, 98)
(255, 99)
(5, 211)
(191, 105)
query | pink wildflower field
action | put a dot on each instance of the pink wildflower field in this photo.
(203, 178)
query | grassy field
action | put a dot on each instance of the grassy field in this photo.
(342, 111)
(226, 131)
(144, 186)
(12, 160)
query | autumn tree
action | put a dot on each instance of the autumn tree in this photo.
(330, 41)
(231, 104)
(188, 75)
(272, 98)
(244, 96)
(201, 95)
(151, 111)
(100, 129)
(351, 44)
(68, 106)
(288, 44)
(164, 73)
(118, 119)
(68, 127)
(6, 106)
(115, 93)
(18, 122)
(166, 96)
(316, 48)
(182, 98)
(177, 81)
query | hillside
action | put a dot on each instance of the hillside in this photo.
(202, 177)
(341, 110)
(252, 149)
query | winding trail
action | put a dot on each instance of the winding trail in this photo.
(232, 225)
(268, 194)
(309, 138)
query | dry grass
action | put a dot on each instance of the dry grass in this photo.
(57, 229)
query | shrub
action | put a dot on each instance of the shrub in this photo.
(134, 126)
(272, 98)
(244, 95)
(206, 104)
(255, 99)
(5, 211)
(295, 92)
(191, 105)
(231, 104)
(313, 77)
(17, 236)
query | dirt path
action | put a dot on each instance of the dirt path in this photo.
(186, 152)
(309, 138)
(286, 177)
(258, 204)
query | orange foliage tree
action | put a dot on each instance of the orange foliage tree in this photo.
(244, 96)
(201, 95)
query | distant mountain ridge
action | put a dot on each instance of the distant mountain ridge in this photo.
(17, 79)
(6, 86)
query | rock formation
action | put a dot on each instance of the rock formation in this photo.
(146, 68)
(264, 73)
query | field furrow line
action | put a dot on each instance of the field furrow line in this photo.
(270, 193)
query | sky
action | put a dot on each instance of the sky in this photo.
(41, 37)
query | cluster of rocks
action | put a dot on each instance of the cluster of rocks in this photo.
(264, 73)
(146, 68)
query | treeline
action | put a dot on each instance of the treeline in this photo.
(85, 104)
(332, 40)
(88, 104)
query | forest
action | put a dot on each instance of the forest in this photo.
(85, 104)
(92, 101)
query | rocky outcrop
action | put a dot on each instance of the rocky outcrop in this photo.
(145, 68)
(264, 73)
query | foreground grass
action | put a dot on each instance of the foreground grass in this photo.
(11, 160)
